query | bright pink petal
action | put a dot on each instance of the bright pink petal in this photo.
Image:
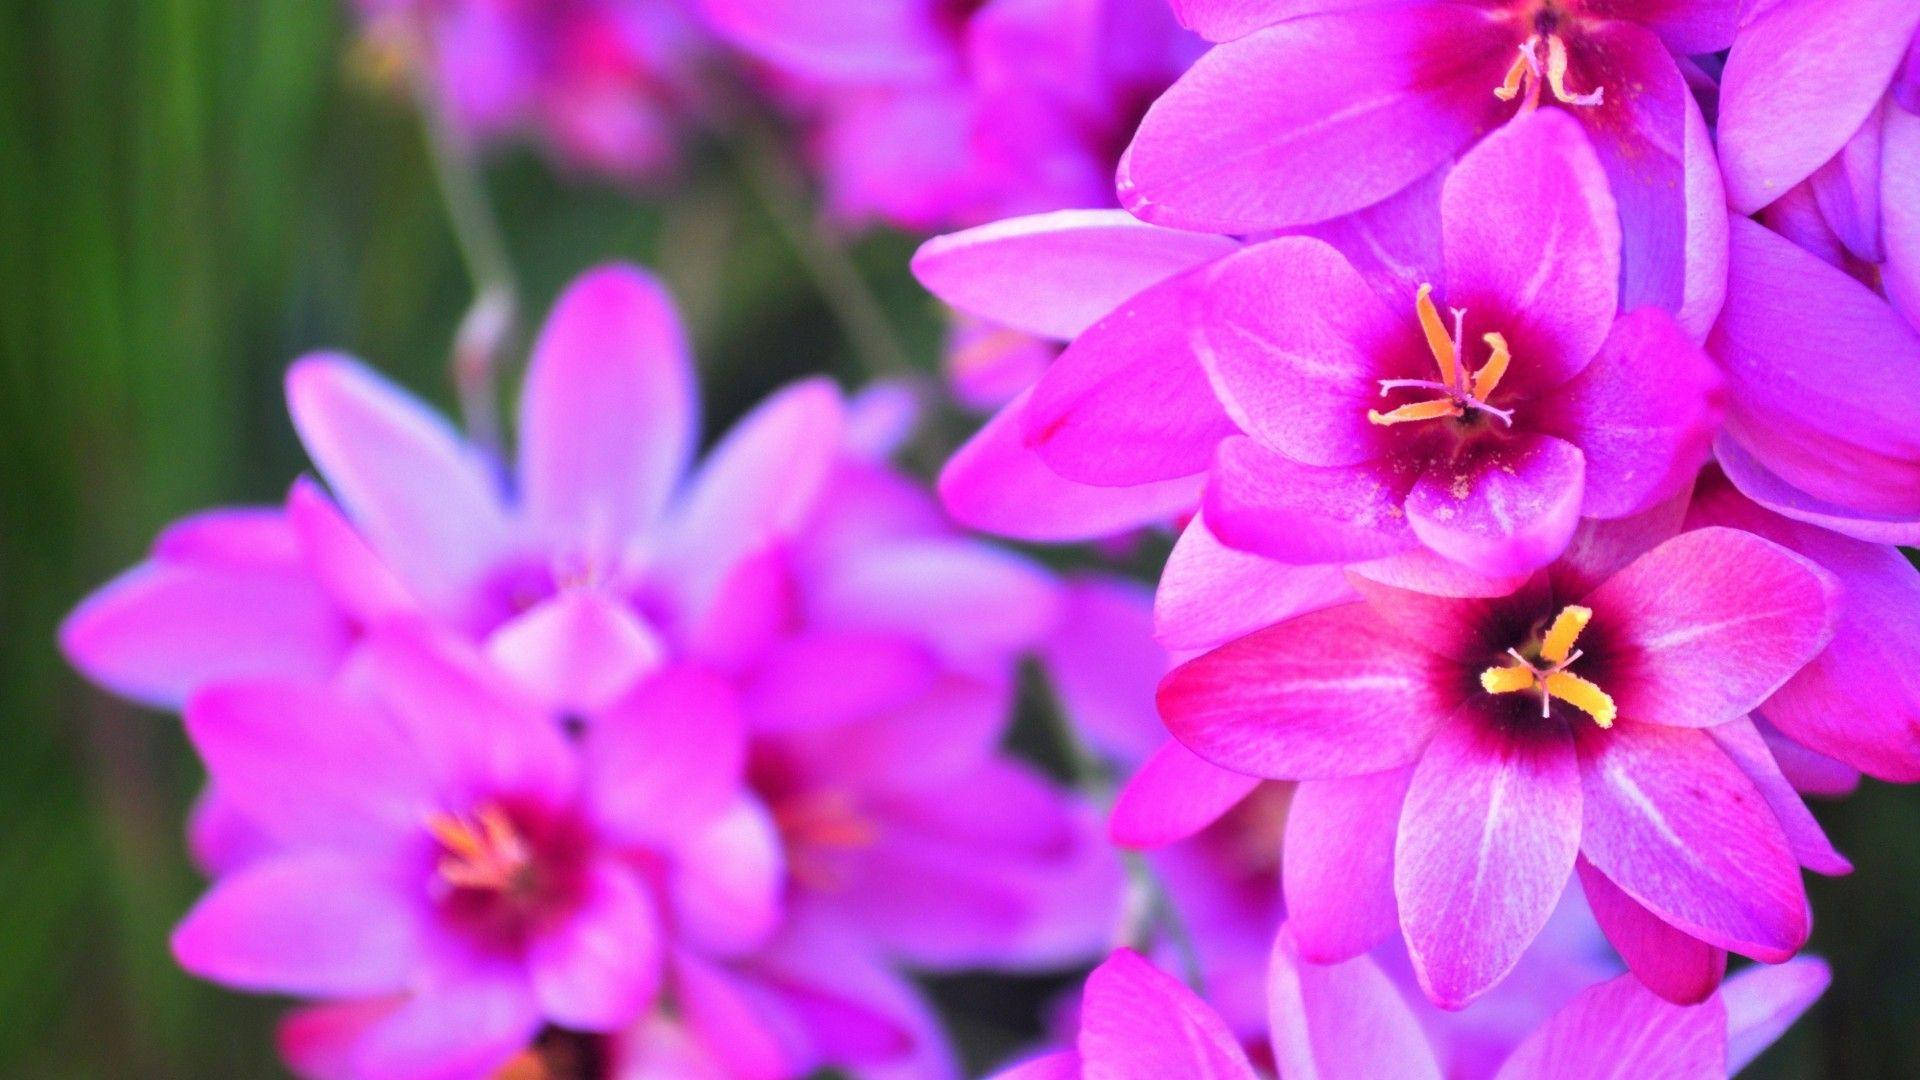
(1531, 234)
(1487, 841)
(1689, 27)
(1346, 1021)
(1619, 1029)
(1742, 742)
(1174, 795)
(1763, 487)
(1139, 1023)
(1707, 625)
(424, 499)
(1210, 593)
(576, 652)
(352, 574)
(1506, 510)
(836, 40)
(1127, 403)
(1330, 693)
(1338, 868)
(1785, 107)
(1267, 504)
(1763, 1001)
(600, 967)
(1642, 413)
(319, 925)
(318, 1041)
(667, 757)
(1677, 966)
(1065, 1065)
(1819, 376)
(1105, 665)
(1679, 828)
(1316, 117)
(609, 412)
(1057, 274)
(964, 600)
(728, 881)
(1295, 341)
(460, 1028)
(828, 678)
(997, 483)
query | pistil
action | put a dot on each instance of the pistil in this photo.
(1462, 394)
(1529, 72)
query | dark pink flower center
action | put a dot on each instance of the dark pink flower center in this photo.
(1542, 669)
(1545, 60)
(507, 868)
(1463, 396)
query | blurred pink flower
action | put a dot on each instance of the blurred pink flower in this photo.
(1578, 718)
(599, 81)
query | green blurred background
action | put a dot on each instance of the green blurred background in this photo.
(192, 193)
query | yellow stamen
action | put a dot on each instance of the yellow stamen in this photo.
(485, 852)
(1582, 695)
(1558, 644)
(1419, 410)
(1439, 341)
(1487, 379)
(1516, 76)
(1507, 680)
(1557, 75)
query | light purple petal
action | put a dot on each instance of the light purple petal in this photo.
(1707, 625)
(1643, 414)
(1139, 1023)
(728, 881)
(1679, 828)
(609, 411)
(1270, 505)
(1346, 1021)
(1128, 403)
(1338, 867)
(1763, 487)
(576, 652)
(423, 498)
(1900, 207)
(831, 677)
(836, 40)
(1064, 1065)
(1505, 510)
(1785, 107)
(966, 601)
(1210, 593)
(1104, 664)
(1763, 1002)
(997, 483)
(1531, 235)
(1487, 841)
(1316, 117)
(1675, 965)
(1057, 274)
(321, 925)
(667, 757)
(600, 967)
(1618, 1029)
(1174, 795)
(459, 1028)
(1330, 693)
(1742, 743)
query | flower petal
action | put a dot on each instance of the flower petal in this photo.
(1487, 841)
(1618, 1028)
(1675, 965)
(609, 412)
(1743, 744)
(1763, 1001)
(600, 968)
(1338, 868)
(1270, 505)
(727, 883)
(577, 651)
(1104, 664)
(1505, 510)
(1345, 1021)
(667, 757)
(835, 40)
(1331, 693)
(1139, 1023)
(966, 601)
(1174, 795)
(1210, 593)
(1057, 274)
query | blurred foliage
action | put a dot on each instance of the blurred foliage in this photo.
(192, 193)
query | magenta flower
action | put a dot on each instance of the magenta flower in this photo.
(1312, 110)
(439, 840)
(600, 81)
(1491, 742)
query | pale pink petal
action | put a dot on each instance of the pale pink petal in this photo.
(1504, 511)
(1532, 235)
(1065, 1065)
(1057, 274)
(1345, 1021)
(1619, 1029)
(600, 967)
(1316, 117)
(1330, 693)
(1677, 966)
(1210, 593)
(339, 558)
(1104, 664)
(1139, 1023)
(1763, 1001)
(1338, 864)
(1268, 504)
(576, 652)
(1763, 487)
(1174, 795)
(836, 40)
(1808, 841)
(609, 411)
(457, 1029)
(1128, 402)
(998, 484)
(833, 677)
(320, 925)
(666, 758)
(423, 498)
(1486, 844)
(965, 600)
(1679, 828)
(727, 881)
(1707, 625)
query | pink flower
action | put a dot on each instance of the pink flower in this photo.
(437, 839)
(1464, 753)
(600, 81)
(934, 113)
(1311, 110)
